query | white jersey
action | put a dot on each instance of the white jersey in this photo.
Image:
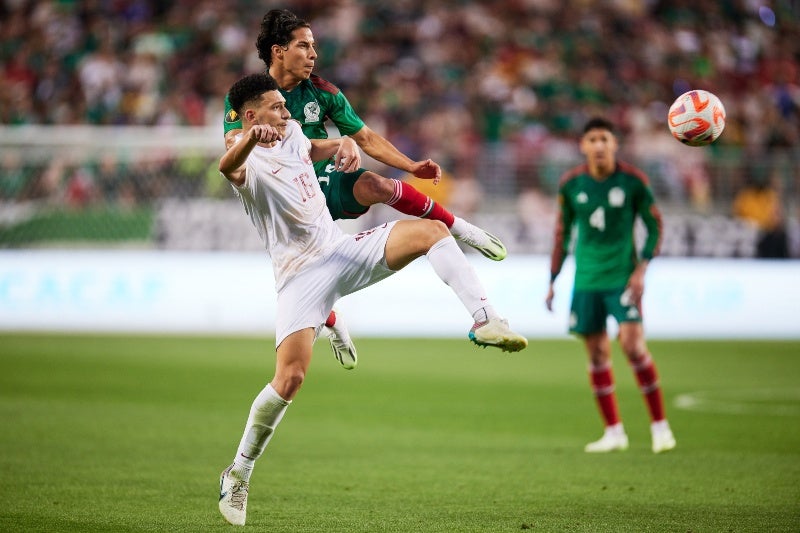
(286, 205)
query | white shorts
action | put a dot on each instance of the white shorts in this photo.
(306, 300)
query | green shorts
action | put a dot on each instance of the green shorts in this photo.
(338, 190)
(590, 309)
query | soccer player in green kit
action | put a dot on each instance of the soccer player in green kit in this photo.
(602, 199)
(287, 47)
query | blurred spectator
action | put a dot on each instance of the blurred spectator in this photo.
(47, 186)
(101, 74)
(536, 212)
(81, 190)
(466, 192)
(14, 176)
(109, 178)
(759, 203)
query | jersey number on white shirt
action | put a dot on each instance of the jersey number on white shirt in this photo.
(306, 190)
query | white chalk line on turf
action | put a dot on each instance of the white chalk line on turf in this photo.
(768, 402)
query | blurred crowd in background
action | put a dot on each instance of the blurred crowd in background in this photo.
(496, 91)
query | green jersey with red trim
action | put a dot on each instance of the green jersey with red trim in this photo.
(311, 103)
(604, 214)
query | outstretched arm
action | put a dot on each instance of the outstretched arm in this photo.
(384, 151)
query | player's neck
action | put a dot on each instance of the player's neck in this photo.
(286, 80)
(601, 172)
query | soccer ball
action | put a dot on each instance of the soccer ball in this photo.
(696, 118)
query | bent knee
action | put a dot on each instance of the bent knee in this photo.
(631, 341)
(436, 229)
(630, 348)
(371, 188)
(288, 381)
(430, 232)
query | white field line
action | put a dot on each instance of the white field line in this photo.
(770, 402)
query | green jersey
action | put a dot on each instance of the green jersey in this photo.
(312, 103)
(603, 214)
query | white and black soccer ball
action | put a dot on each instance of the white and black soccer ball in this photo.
(696, 118)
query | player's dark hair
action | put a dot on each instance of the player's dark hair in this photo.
(276, 28)
(598, 123)
(250, 88)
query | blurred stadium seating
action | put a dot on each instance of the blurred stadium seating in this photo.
(110, 112)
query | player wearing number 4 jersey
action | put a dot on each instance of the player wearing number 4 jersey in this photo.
(315, 263)
(602, 199)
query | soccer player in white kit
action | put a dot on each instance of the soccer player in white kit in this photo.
(315, 263)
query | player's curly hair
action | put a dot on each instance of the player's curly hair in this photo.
(250, 88)
(276, 28)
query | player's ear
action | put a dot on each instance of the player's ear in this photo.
(277, 50)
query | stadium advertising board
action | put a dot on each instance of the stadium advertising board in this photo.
(212, 293)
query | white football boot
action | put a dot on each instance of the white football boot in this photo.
(342, 345)
(663, 439)
(233, 498)
(483, 241)
(495, 332)
(614, 439)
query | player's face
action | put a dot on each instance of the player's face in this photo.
(272, 110)
(299, 56)
(600, 148)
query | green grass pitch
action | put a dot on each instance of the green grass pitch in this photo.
(127, 433)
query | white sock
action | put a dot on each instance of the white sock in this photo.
(459, 227)
(660, 426)
(452, 267)
(616, 430)
(265, 414)
(483, 314)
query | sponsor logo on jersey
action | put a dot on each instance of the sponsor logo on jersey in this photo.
(329, 168)
(616, 197)
(311, 112)
(231, 117)
(582, 198)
